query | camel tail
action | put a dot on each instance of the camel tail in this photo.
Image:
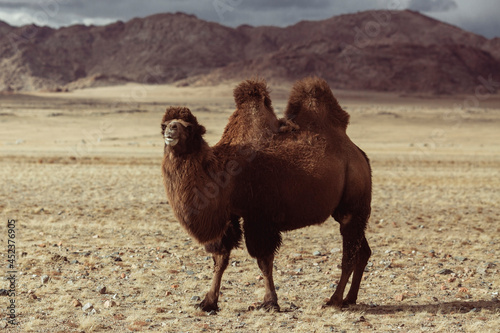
(253, 90)
(315, 92)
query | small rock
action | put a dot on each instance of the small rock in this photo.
(196, 298)
(95, 236)
(73, 262)
(32, 296)
(399, 297)
(461, 259)
(445, 271)
(109, 304)
(101, 290)
(335, 250)
(118, 259)
(4, 292)
(45, 279)
(259, 277)
(482, 269)
(76, 303)
(316, 253)
(87, 306)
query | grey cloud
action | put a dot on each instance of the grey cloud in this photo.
(430, 6)
(281, 4)
(17, 5)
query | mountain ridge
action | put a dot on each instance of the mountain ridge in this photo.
(399, 51)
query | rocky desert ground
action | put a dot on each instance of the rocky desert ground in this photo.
(97, 248)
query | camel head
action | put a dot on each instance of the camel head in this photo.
(312, 103)
(181, 131)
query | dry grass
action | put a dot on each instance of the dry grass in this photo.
(435, 207)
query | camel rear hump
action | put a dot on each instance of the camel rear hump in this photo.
(312, 104)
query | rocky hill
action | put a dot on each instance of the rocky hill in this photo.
(400, 51)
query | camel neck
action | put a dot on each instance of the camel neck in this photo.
(197, 193)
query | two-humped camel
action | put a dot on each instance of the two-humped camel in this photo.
(276, 175)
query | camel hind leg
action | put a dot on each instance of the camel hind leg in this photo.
(362, 257)
(221, 252)
(355, 255)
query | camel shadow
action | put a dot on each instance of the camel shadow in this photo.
(441, 308)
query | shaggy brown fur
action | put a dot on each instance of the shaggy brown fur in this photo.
(254, 121)
(189, 169)
(292, 180)
(313, 94)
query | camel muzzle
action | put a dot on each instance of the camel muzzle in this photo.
(171, 137)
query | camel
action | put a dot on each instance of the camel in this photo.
(275, 180)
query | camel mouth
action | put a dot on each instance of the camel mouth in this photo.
(170, 141)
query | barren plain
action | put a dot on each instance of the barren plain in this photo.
(97, 247)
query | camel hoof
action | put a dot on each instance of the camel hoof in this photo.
(348, 302)
(335, 304)
(267, 306)
(207, 306)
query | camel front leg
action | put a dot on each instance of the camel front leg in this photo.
(221, 262)
(270, 298)
(221, 251)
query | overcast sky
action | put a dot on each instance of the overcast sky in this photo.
(479, 16)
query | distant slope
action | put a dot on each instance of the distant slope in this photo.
(401, 51)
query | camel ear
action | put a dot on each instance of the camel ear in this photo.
(201, 129)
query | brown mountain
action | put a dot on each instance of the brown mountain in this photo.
(377, 50)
